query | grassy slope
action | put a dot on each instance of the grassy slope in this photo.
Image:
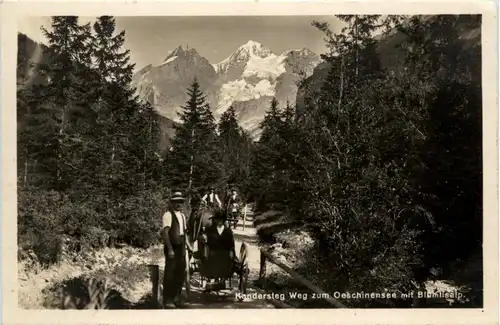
(125, 268)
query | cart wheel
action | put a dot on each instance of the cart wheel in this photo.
(244, 270)
(243, 280)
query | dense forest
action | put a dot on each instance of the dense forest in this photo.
(383, 162)
(380, 158)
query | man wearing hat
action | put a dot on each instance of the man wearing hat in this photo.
(211, 198)
(175, 244)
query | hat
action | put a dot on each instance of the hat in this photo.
(177, 197)
(221, 215)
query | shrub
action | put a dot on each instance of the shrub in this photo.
(138, 219)
(80, 293)
(40, 223)
(49, 221)
(367, 246)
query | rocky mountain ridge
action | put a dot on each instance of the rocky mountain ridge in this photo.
(246, 79)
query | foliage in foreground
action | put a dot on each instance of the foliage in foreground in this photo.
(98, 293)
(52, 225)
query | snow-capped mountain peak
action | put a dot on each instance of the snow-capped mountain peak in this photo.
(242, 55)
(247, 79)
(251, 44)
(252, 48)
(253, 72)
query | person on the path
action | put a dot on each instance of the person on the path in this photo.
(212, 199)
(221, 248)
(175, 244)
(233, 205)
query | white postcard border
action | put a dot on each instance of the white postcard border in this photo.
(12, 314)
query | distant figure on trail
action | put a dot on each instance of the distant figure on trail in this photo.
(233, 204)
(175, 245)
(212, 199)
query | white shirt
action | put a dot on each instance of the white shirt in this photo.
(234, 204)
(181, 219)
(220, 229)
(214, 198)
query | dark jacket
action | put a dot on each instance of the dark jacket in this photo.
(219, 264)
(224, 241)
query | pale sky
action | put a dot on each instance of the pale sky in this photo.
(150, 38)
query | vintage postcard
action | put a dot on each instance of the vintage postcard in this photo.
(249, 163)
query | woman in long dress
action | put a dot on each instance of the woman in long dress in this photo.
(221, 248)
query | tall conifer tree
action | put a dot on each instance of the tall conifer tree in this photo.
(128, 128)
(230, 142)
(193, 162)
(65, 99)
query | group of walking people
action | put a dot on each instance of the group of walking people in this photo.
(219, 238)
(231, 201)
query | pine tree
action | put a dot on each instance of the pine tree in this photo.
(84, 134)
(65, 100)
(385, 137)
(112, 61)
(235, 148)
(229, 129)
(193, 160)
(266, 157)
(289, 151)
(289, 114)
(33, 128)
(128, 128)
(115, 107)
(127, 167)
(146, 139)
(243, 174)
(271, 123)
(230, 141)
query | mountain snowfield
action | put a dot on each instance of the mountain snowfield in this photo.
(247, 79)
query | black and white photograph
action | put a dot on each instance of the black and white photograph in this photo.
(330, 161)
